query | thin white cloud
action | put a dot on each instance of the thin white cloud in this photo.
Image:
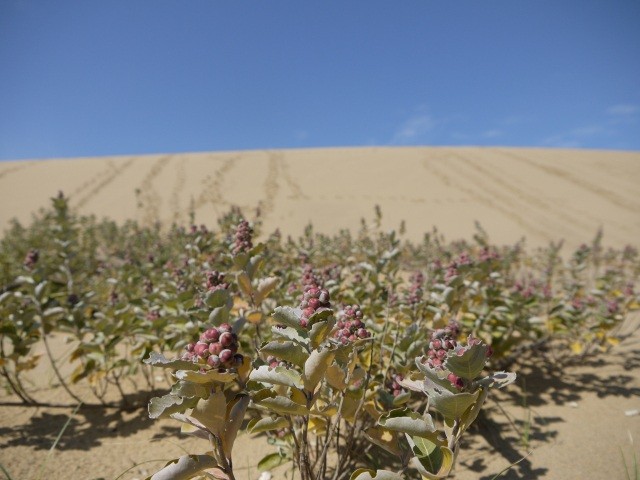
(576, 137)
(623, 110)
(301, 135)
(474, 137)
(414, 128)
(493, 133)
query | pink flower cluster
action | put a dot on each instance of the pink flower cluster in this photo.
(215, 281)
(244, 234)
(350, 325)
(416, 291)
(31, 258)
(442, 342)
(394, 387)
(314, 297)
(217, 347)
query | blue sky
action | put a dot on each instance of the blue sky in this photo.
(89, 77)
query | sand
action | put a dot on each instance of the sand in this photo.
(543, 195)
(576, 418)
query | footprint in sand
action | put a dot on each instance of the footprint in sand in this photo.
(213, 183)
(178, 187)
(149, 197)
(16, 168)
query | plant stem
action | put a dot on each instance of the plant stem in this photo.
(63, 384)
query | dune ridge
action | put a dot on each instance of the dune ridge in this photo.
(541, 194)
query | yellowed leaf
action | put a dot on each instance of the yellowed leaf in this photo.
(254, 316)
(577, 348)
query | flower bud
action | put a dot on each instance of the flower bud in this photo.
(226, 339)
(226, 355)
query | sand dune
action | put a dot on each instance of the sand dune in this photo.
(543, 195)
(578, 428)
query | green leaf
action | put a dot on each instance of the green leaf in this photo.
(469, 364)
(240, 260)
(385, 439)
(407, 421)
(187, 467)
(218, 298)
(272, 460)
(244, 282)
(235, 415)
(315, 367)
(451, 405)
(265, 287)
(401, 399)
(497, 379)
(470, 415)
(437, 376)
(4, 296)
(255, 263)
(266, 424)
(433, 460)
(288, 351)
(367, 474)
(206, 377)
(165, 405)
(189, 390)
(288, 316)
(336, 377)
(157, 359)
(283, 405)
(54, 313)
(276, 376)
(219, 315)
(320, 331)
(212, 412)
(298, 336)
(39, 290)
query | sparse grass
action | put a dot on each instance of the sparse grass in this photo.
(634, 473)
(56, 441)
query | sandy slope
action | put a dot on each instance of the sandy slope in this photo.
(540, 194)
(577, 428)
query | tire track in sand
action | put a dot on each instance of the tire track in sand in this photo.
(566, 176)
(107, 178)
(149, 197)
(486, 200)
(529, 200)
(551, 207)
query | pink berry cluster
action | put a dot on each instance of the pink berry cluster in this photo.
(415, 293)
(350, 325)
(393, 386)
(215, 281)
(453, 269)
(442, 342)
(242, 242)
(31, 258)
(274, 362)
(217, 347)
(487, 255)
(314, 297)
